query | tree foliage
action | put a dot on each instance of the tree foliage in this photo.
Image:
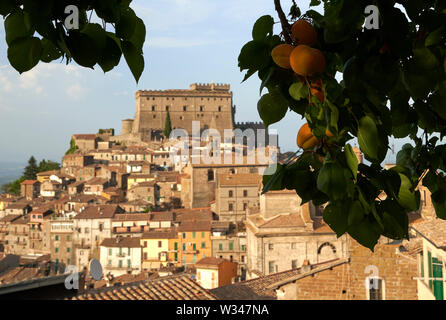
(36, 31)
(73, 147)
(167, 126)
(31, 170)
(393, 85)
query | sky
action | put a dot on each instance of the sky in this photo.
(187, 41)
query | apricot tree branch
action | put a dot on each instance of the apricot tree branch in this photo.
(286, 28)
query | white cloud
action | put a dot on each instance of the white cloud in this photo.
(76, 91)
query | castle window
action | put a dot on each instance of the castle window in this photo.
(181, 117)
(184, 108)
(219, 108)
(154, 116)
(153, 98)
(230, 193)
(167, 108)
(210, 175)
(201, 108)
(153, 108)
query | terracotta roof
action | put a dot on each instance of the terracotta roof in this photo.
(239, 179)
(170, 234)
(284, 220)
(132, 217)
(21, 220)
(179, 287)
(162, 216)
(433, 230)
(48, 173)
(10, 217)
(99, 212)
(200, 225)
(210, 261)
(193, 214)
(96, 181)
(17, 205)
(144, 184)
(121, 242)
(29, 182)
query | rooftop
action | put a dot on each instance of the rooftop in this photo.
(243, 179)
(121, 242)
(178, 287)
(432, 230)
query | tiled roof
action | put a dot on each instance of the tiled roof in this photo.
(48, 173)
(18, 205)
(210, 261)
(170, 234)
(284, 220)
(200, 225)
(162, 216)
(143, 184)
(29, 182)
(180, 287)
(433, 230)
(239, 179)
(193, 214)
(96, 181)
(21, 220)
(10, 217)
(99, 212)
(132, 217)
(121, 242)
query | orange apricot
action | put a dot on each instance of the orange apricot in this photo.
(281, 55)
(305, 138)
(307, 61)
(304, 32)
(317, 90)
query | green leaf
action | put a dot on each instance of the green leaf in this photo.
(254, 56)
(17, 26)
(139, 35)
(435, 37)
(24, 54)
(368, 138)
(352, 160)
(7, 6)
(395, 220)
(263, 27)
(126, 26)
(406, 197)
(111, 55)
(438, 100)
(134, 59)
(49, 51)
(332, 181)
(97, 34)
(356, 213)
(273, 181)
(83, 49)
(298, 91)
(272, 107)
(315, 3)
(366, 233)
(336, 216)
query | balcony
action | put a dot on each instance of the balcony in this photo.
(121, 255)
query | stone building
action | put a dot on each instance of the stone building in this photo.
(17, 238)
(282, 234)
(120, 256)
(30, 189)
(39, 231)
(235, 193)
(85, 142)
(214, 272)
(61, 240)
(202, 102)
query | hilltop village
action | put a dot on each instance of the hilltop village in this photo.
(169, 227)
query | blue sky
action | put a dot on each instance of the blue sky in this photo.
(187, 41)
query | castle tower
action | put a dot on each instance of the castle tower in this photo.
(202, 102)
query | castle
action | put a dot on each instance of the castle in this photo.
(210, 104)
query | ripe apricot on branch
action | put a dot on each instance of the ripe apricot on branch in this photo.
(281, 55)
(304, 32)
(305, 138)
(307, 61)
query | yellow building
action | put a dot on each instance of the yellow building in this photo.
(45, 176)
(158, 248)
(194, 241)
(135, 179)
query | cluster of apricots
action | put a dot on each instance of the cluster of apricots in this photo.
(305, 61)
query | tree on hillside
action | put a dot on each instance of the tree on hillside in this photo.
(393, 71)
(47, 166)
(48, 30)
(31, 170)
(73, 147)
(167, 126)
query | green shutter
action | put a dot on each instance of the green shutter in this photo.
(220, 247)
(421, 265)
(176, 245)
(437, 267)
(231, 246)
(193, 234)
(203, 245)
(194, 246)
(429, 263)
(176, 256)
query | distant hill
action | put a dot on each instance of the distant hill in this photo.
(10, 171)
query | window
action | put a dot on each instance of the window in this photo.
(210, 175)
(271, 267)
(145, 255)
(167, 108)
(437, 273)
(184, 247)
(175, 245)
(128, 251)
(270, 246)
(421, 264)
(184, 235)
(129, 263)
(231, 193)
(109, 262)
(219, 109)
(57, 238)
(245, 206)
(375, 289)
(194, 247)
(68, 238)
(243, 247)
(202, 234)
(120, 263)
(231, 246)
(293, 264)
(145, 244)
(153, 108)
(110, 252)
(201, 108)
(56, 250)
(245, 193)
(231, 207)
(203, 245)
(194, 234)
(68, 261)
(160, 244)
(68, 249)
(220, 246)
(184, 108)
(293, 245)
